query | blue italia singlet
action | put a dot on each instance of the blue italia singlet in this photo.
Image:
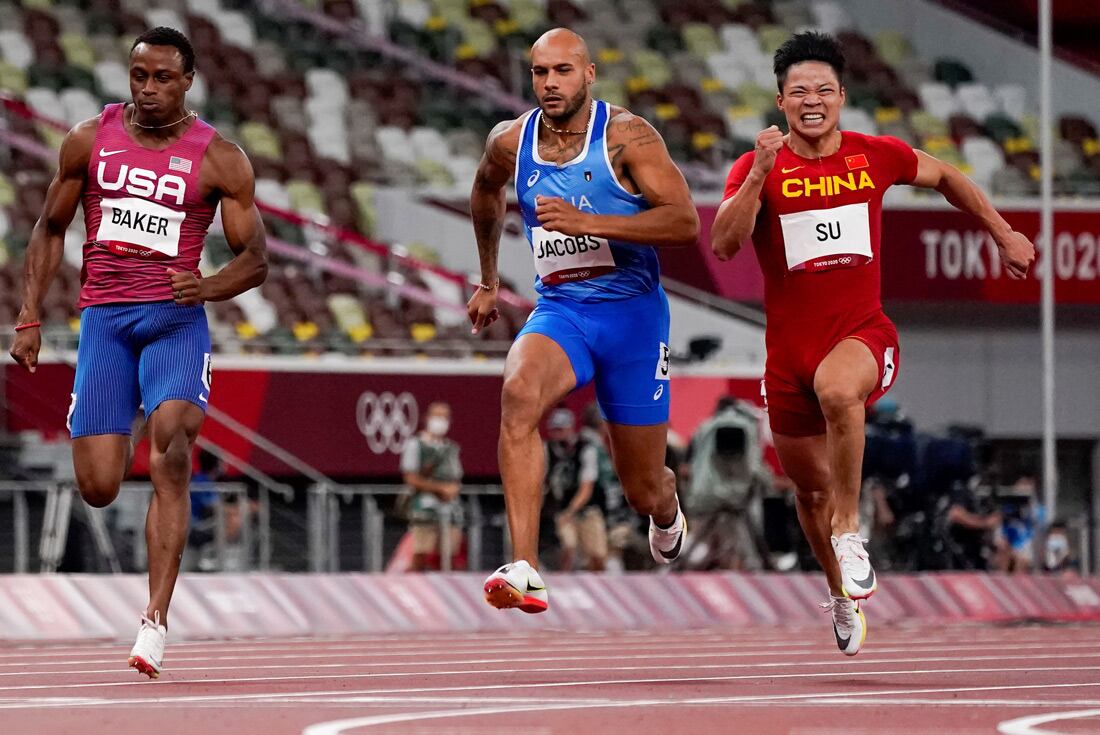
(583, 268)
(601, 301)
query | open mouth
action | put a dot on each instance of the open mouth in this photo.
(813, 118)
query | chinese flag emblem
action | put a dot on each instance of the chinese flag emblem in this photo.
(857, 161)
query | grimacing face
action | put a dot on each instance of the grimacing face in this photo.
(560, 75)
(811, 99)
(157, 80)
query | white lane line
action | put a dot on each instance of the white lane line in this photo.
(833, 661)
(429, 641)
(384, 695)
(1026, 725)
(338, 727)
(715, 650)
(814, 650)
(918, 702)
(165, 682)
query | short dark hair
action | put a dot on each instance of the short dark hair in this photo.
(808, 46)
(163, 36)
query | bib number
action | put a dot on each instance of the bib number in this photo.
(823, 239)
(561, 258)
(132, 227)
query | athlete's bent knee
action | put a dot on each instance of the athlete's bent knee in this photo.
(838, 401)
(98, 490)
(518, 398)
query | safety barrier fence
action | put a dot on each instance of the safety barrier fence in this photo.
(70, 607)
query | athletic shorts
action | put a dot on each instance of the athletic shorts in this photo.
(788, 385)
(622, 345)
(133, 355)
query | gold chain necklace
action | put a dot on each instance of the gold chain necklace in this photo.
(135, 123)
(569, 132)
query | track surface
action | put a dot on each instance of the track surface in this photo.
(1020, 680)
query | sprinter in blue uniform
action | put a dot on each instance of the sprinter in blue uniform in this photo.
(599, 193)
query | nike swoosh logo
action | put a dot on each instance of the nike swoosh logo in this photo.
(104, 153)
(788, 170)
(868, 582)
(675, 552)
(842, 642)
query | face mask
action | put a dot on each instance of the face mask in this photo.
(438, 425)
(1057, 549)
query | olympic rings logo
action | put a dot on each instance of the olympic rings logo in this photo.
(387, 421)
(845, 260)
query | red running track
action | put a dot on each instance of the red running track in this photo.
(962, 678)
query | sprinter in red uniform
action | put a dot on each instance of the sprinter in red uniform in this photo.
(812, 202)
(150, 176)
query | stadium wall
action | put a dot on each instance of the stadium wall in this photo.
(83, 607)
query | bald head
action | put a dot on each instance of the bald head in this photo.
(561, 72)
(561, 43)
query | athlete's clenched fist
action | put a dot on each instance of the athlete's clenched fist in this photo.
(768, 144)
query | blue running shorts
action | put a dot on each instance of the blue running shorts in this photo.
(622, 345)
(137, 354)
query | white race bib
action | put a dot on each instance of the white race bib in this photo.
(822, 239)
(560, 258)
(138, 228)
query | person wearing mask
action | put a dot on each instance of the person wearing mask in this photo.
(572, 484)
(432, 471)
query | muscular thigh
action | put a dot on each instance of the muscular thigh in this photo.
(105, 392)
(175, 356)
(629, 341)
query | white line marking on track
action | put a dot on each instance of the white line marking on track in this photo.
(1026, 725)
(834, 661)
(590, 654)
(337, 727)
(165, 682)
(384, 695)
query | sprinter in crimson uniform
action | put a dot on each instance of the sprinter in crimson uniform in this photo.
(150, 175)
(812, 202)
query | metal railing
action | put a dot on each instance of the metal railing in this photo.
(61, 497)
(327, 503)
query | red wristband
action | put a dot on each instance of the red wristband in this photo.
(28, 325)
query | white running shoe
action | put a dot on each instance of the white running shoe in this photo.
(147, 655)
(849, 624)
(666, 543)
(517, 585)
(856, 575)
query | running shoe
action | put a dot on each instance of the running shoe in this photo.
(849, 624)
(516, 585)
(666, 543)
(147, 655)
(856, 575)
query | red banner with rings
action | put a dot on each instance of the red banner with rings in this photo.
(350, 421)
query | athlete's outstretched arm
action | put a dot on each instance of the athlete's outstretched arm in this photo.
(1017, 252)
(487, 205)
(671, 219)
(244, 231)
(47, 242)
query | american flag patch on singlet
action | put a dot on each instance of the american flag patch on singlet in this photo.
(175, 163)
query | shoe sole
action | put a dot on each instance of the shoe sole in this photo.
(144, 667)
(503, 596)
